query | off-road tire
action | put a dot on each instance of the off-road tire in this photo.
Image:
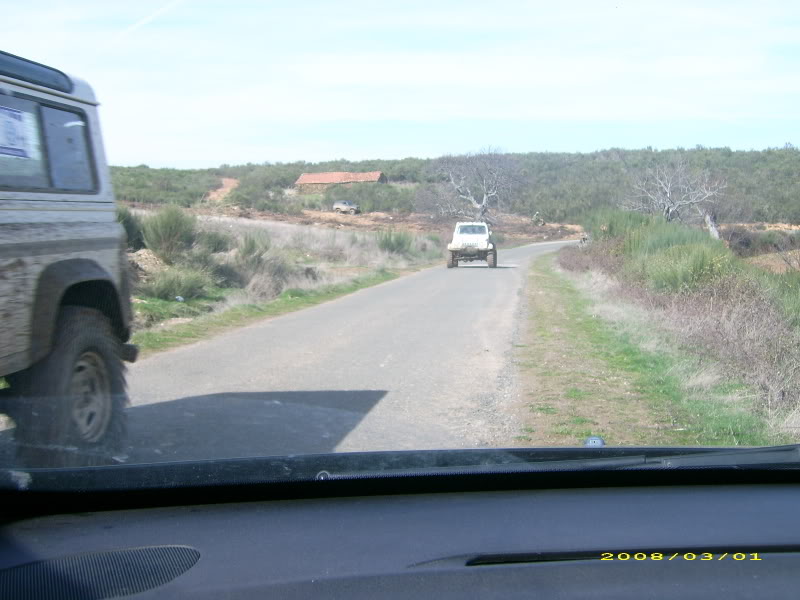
(337, 210)
(452, 261)
(491, 259)
(70, 406)
(352, 211)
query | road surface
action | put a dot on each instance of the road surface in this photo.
(420, 362)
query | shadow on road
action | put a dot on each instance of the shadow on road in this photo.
(230, 425)
(486, 266)
(237, 425)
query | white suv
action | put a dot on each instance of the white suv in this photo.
(65, 310)
(472, 241)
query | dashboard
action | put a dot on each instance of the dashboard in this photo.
(674, 541)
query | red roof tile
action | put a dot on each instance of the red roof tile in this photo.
(338, 177)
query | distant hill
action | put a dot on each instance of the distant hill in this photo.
(762, 185)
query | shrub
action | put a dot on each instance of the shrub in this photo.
(684, 267)
(169, 233)
(271, 278)
(132, 225)
(177, 281)
(613, 223)
(214, 241)
(396, 242)
(254, 244)
(657, 235)
(435, 238)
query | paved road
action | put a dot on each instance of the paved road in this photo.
(419, 362)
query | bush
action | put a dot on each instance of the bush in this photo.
(396, 242)
(254, 244)
(684, 267)
(657, 235)
(175, 281)
(609, 223)
(133, 227)
(268, 282)
(435, 238)
(214, 241)
(169, 233)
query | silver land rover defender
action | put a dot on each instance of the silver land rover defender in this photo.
(65, 310)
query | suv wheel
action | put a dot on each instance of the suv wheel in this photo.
(70, 405)
(352, 211)
(452, 260)
(491, 259)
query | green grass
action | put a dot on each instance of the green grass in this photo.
(151, 311)
(707, 419)
(576, 394)
(290, 300)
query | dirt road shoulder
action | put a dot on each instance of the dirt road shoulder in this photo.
(583, 374)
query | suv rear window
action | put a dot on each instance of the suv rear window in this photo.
(472, 229)
(62, 163)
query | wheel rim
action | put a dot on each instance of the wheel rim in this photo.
(91, 397)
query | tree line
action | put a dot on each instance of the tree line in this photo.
(760, 185)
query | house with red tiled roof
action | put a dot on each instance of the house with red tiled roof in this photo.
(317, 183)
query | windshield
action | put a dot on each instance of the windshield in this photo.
(246, 249)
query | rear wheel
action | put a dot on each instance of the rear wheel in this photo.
(70, 405)
(491, 258)
(352, 211)
(452, 260)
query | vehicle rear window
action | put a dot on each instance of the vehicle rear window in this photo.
(472, 229)
(22, 162)
(67, 147)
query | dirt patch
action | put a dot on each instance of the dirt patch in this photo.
(143, 264)
(761, 226)
(775, 262)
(218, 196)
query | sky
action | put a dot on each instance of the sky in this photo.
(199, 83)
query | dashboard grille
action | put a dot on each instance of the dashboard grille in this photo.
(97, 575)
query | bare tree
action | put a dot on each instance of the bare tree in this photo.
(477, 183)
(671, 190)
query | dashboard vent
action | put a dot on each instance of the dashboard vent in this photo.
(97, 575)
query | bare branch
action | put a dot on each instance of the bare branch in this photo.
(666, 190)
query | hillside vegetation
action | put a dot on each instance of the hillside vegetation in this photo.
(562, 187)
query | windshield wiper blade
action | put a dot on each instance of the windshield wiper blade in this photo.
(599, 463)
(729, 457)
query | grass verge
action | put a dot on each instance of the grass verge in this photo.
(586, 375)
(155, 340)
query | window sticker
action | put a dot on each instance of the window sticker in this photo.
(17, 134)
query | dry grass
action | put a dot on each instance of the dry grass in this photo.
(308, 258)
(732, 323)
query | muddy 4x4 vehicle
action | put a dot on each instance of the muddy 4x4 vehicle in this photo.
(65, 310)
(345, 206)
(472, 241)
